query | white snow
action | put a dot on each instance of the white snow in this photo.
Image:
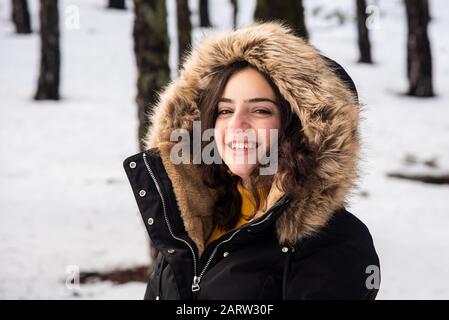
(64, 197)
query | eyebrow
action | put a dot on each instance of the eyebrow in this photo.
(249, 100)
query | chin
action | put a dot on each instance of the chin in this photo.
(241, 170)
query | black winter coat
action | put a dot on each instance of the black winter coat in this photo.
(308, 247)
(248, 262)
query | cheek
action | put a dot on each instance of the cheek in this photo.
(269, 125)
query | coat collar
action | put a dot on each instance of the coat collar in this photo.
(328, 110)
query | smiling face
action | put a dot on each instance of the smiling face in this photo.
(246, 112)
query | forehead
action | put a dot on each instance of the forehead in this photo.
(246, 84)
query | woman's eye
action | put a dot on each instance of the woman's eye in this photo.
(223, 112)
(263, 111)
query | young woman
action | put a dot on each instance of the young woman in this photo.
(240, 227)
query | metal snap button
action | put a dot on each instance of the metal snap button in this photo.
(142, 193)
(284, 249)
(132, 164)
(150, 221)
(171, 251)
(225, 254)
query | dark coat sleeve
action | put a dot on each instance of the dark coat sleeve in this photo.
(335, 264)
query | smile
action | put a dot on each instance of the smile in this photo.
(242, 145)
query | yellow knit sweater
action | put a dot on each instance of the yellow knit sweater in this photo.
(246, 213)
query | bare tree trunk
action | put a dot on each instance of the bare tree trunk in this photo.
(235, 10)
(21, 16)
(151, 47)
(290, 11)
(117, 4)
(204, 14)
(48, 84)
(184, 29)
(419, 57)
(363, 33)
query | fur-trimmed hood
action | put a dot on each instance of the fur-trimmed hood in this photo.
(326, 107)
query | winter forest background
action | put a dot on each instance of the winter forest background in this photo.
(72, 90)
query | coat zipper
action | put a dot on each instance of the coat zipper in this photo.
(196, 277)
(164, 209)
(197, 280)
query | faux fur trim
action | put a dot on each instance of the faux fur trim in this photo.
(328, 110)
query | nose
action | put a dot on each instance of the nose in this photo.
(239, 120)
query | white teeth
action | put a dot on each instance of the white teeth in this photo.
(243, 145)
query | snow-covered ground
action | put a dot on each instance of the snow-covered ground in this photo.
(65, 200)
